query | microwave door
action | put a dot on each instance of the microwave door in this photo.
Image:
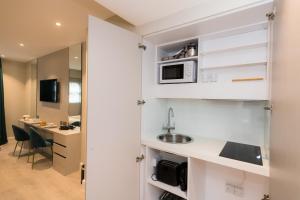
(172, 73)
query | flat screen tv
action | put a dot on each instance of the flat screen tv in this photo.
(49, 90)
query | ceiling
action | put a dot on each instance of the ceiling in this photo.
(152, 16)
(139, 12)
(32, 22)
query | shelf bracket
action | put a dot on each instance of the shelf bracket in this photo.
(141, 46)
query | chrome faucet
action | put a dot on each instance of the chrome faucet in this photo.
(169, 127)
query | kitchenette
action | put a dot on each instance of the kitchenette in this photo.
(200, 123)
(223, 143)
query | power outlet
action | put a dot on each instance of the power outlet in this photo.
(209, 77)
(234, 189)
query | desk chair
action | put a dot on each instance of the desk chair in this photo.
(77, 123)
(20, 136)
(38, 142)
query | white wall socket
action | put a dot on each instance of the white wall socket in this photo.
(235, 189)
(209, 77)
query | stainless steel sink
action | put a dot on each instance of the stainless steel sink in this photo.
(175, 138)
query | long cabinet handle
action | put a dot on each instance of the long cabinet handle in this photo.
(248, 79)
(60, 144)
(60, 155)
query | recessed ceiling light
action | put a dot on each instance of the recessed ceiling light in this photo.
(76, 57)
(21, 45)
(58, 24)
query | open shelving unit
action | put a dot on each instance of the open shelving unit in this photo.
(235, 65)
(170, 49)
(234, 48)
(205, 177)
(172, 189)
(156, 188)
(178, 60)
(241, 53)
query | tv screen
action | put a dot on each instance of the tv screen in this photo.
(49, 90)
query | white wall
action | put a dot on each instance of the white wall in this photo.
(54, 66)
(14, 76)
(239, 121)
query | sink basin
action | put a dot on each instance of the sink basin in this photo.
(175, 138)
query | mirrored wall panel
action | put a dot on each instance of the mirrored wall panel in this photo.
(75, 85)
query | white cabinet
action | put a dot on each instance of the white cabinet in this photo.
(206, 181)
(232, 64)
(66, 153)
(113, 117)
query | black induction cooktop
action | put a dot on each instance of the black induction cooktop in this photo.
(242, 152)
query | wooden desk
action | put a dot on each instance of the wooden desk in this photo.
(66, 147)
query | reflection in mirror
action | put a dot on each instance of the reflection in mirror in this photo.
(75, 82)
(31, 85)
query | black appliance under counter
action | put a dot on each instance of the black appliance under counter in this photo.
(242, 152)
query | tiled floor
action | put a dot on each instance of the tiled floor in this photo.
(19, 182)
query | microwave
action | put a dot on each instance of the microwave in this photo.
(178, 72)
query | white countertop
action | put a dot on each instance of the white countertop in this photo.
(62, 132)
(54, 130)
(207, 150)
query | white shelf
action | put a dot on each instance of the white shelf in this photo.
(173, 189)
(250, 46)
(235, 65)
(178, 60)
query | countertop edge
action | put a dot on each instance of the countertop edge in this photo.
(211, 157)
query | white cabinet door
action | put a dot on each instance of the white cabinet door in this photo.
(285, 137)
(113, 117)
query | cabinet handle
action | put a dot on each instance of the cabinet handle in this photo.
(140, 158)
(247, 79)
(60, 144)
(60, 155)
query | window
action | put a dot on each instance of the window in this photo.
(74, 92)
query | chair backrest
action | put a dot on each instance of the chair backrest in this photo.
(35, 139)
(77, 123)
(20, 134)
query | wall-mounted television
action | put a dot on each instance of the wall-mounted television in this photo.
(49, 90)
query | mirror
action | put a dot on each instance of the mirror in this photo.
(75, 85)
(32, 85)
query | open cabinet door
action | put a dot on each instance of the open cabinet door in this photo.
(113, 117)
(285, 129)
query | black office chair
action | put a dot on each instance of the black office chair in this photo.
(20, 136)
(38, 142)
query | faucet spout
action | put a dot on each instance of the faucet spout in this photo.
(170, 114)
(169, 126)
